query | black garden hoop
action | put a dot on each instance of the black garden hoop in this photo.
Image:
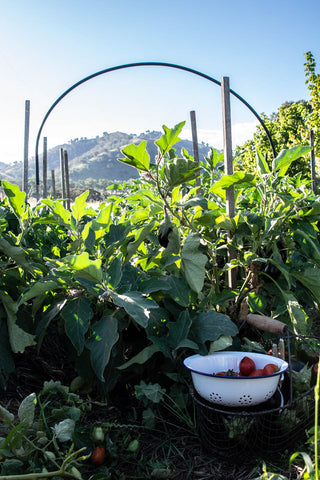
(140, 64)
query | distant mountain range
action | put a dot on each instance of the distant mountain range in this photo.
(95, 158)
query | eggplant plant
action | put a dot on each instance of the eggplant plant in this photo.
(141, 282)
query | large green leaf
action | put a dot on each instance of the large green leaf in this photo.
(310, 278)
(18, 254)
(179, 171)
(38, 288)
(298, 316)
(176, 288)
(193, 262)
(141, 357)
(179, 290)
(283, 161)
(77, 314)
(136, 305)
(85, 267)
(309, 247)
(262, 164)
(210, 325)
(170, 137)
(64, 430)
(98, 227)
(27, 409)
(178, 332)
(214, 157)
(142, 235)
(62, 214)
(114, 271)
(136, 156)
(155, 284)
(19, 339)
(236, 179)
(80, 206)
(16, 198)
(104, 336)
(152, 391)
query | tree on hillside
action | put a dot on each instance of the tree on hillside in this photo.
(289, 126)
(313, 82)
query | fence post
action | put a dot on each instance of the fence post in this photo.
(228, 166)
(312, 162)
(66, 171)
(45, 167)
(53, 183)
(26, 147)
(63, 186)
(195, 142)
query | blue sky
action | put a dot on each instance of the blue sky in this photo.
(47, 46)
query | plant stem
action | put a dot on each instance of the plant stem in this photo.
(36, 476)
(316, 415)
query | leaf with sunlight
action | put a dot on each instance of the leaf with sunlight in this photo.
(170, 137)
(181, 171)
(84, 267)
(37, 289)
(136, 156)
(16, 198)
(236, 179)
(262, 165)
(62, 214)
(136, 305)
(79, 208)
(283, 161)
(17, 254)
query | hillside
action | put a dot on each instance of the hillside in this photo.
(94, 159)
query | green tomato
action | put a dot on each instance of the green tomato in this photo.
(75, 472)
(97, 434)
(133, 445)
(49, 455)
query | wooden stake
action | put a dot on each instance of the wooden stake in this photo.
(26, 147)
(228, 165)
(66, 170)
(53, 183)
(195, 142)
(45, 167)
(63, 185)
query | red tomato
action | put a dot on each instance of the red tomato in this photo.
(247, 366)
(257, 373)
(98, 455)
(223, 374)
(270, 368)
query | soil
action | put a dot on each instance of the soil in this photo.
(183, 452)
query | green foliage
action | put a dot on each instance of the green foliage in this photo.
(141, 282)
(40, 438)
(289, 126)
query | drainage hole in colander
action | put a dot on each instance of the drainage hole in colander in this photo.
(215, 396)
(268, 395)
(245, 399)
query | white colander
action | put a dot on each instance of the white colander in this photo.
(233, 391)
